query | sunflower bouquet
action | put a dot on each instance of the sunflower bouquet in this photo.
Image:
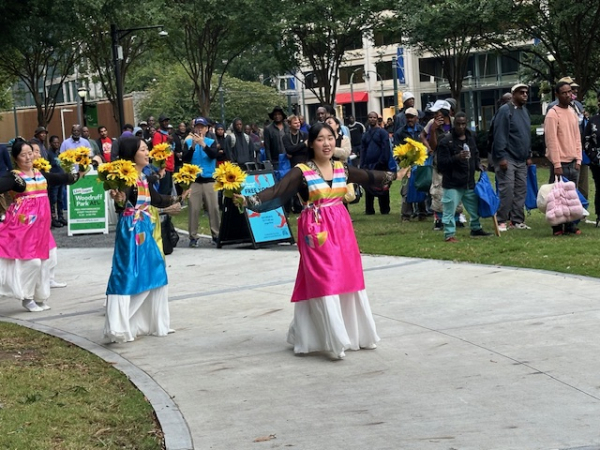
(160, 153)
(42, 165)
(412, 153)
(229, 178)
(186, 176)
(79, 155)
(119, 175)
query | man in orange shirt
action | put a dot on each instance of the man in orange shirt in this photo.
(563, 145)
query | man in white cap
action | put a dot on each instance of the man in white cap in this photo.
(408, 101)
(511, 154)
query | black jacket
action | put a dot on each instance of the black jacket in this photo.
(457, 173)
(296, 149)
(272, 141)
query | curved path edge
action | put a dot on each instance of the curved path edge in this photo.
(174, 426)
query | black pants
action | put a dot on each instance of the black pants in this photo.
(384, 202)
(596, 176)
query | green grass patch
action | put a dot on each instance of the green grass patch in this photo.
(54, 395)
(535, 248)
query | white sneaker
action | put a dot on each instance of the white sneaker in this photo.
(521, 226)
(43, 305)
(31, 306)
(370, 347)
(502, 227)
(57, 284)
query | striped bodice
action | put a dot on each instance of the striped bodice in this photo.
(143, 194)
(319, 191)
(35, 186)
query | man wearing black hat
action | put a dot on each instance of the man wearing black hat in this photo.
(163, 135)
(273, 134)
(39, 138)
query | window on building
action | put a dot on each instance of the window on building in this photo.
(346, 74)
(356, 42)
(488, 65)
(510, 63)
(384, 69)
(386, 37)
(430, 67)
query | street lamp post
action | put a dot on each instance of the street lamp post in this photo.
(222, 100)
(82, 92)
(352, 90)
(117, 52)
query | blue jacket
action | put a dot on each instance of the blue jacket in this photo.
(376, 149)
(205, 158)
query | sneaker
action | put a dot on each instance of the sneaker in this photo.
(438, 226)
(56, 223)
(480, 233)
(520, 226)
(31, 306)
(57, 284)
(43, 305)
(451, 239)
(462, 218)
(193, 243)
(63, 220)
(502, 227)
(460, 225)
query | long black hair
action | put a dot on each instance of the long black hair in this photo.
(128, 147)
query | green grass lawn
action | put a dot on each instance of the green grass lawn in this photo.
(54, 395)
(535, 248)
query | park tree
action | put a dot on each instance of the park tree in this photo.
(172, 94)
(125, 15)
(563, 39)
(205, 37)
(319, 34)
(450, 30)
(40, 48)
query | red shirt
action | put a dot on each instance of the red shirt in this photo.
(106, 146)
(158, 138)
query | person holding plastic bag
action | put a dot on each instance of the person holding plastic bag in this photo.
(563, 146)
(458, 159)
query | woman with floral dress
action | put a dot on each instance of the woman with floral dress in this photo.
(331, 309)
(137, 289)
(27, 247)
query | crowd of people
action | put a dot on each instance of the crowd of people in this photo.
(323, 159)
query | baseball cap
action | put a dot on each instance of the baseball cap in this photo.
(163, 117)
(440, 104)
(411, 112)
(200, 121)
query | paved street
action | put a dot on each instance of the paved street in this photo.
(471, 357)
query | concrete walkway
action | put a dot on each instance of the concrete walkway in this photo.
(471, 357)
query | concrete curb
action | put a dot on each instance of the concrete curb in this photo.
(175, 428)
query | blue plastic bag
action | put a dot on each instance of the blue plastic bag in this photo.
(413, 195)
(488, 199)
(532, 188)
(283, 167)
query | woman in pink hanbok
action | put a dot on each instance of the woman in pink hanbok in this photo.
(331, 307)
(27, 247)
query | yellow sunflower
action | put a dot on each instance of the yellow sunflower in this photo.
(411, 153)
(42, 165)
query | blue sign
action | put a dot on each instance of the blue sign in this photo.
(400, 65)
(270, 225)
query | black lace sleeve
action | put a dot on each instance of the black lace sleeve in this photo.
(11, 182)
(370, 178)
(277, 195)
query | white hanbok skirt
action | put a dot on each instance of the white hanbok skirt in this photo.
(27, 278)
(333, 323)
(128, 316)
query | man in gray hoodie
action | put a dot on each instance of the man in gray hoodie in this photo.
(511, 154)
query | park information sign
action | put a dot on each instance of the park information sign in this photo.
(87, 206)
(264, 228)
(270, 226)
